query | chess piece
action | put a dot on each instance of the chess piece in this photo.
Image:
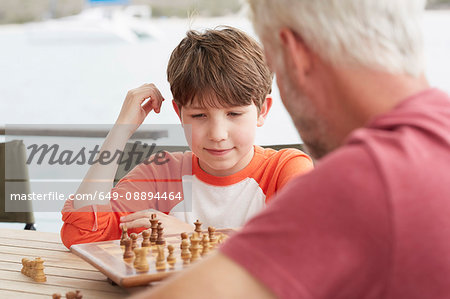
(195, 248)
(160, 239)
(140, 262)
(128, 254)
(74, 295)
(146, 239)
(27, 267)
(39, 275)
(184, 235)
(212, 236)
(198, 227)
(154, 225)
(24, 266)
(32, 269)
(205, 242)
(171, 259)
(56, 296)
(134, 244)
(124, 235)
(185, 252)
(196, 236)
(160, 260)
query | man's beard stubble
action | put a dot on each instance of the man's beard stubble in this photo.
(316, 146)
(313, 131)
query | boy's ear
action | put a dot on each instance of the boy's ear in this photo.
(177, 110)
(265, 107)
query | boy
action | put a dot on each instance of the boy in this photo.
(220, 84)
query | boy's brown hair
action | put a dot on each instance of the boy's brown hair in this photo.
(220, 64)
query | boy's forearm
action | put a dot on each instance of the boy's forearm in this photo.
(99, 178)
(137, 105)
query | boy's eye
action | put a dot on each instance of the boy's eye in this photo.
(200, 115)
(234, 113)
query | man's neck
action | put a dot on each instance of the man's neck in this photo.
(366, 94)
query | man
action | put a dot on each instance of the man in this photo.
(371, 221)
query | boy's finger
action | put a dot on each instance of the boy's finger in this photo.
(142, 222)
(148, 106)
(139, 94)
(139, 214)
(135, 216)
(157, 100)
(159, 96)
(157, 106)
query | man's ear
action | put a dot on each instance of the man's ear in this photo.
(265, 108)
(177, 110)
(298, 58)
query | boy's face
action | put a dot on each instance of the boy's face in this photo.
(223, 138)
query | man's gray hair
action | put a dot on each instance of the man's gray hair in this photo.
(379, 34)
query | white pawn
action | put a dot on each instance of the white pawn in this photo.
(171, 259)
(185, 253)
(205, 243)
(160, 260)
(39, 274)
(140, 262)
(195, 248)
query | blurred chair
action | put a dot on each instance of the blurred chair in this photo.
(14, 179)
(122, 170)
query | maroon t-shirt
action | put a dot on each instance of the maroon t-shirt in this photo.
(371, 221)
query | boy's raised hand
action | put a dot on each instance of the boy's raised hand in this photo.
(140, 219)
(100, 177)
(138, 104)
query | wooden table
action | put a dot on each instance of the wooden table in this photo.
(65, 272)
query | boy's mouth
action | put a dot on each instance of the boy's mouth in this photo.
(218, 152)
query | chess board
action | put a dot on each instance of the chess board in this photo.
(107, 256)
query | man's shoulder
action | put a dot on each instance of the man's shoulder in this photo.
(415, 130)
(429, 109)
(346, 175)
(347, 165)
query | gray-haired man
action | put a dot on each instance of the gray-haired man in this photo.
(371, 221)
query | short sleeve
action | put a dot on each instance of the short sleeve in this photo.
(294, 166)
(330, 242)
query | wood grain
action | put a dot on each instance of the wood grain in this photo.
(26, 235)
(65, 271)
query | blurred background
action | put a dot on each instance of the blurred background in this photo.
(73, 61)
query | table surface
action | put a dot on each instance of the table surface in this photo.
(65, 271)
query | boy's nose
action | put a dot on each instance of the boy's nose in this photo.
(217, 132)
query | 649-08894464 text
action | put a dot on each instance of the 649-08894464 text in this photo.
(53, 195)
